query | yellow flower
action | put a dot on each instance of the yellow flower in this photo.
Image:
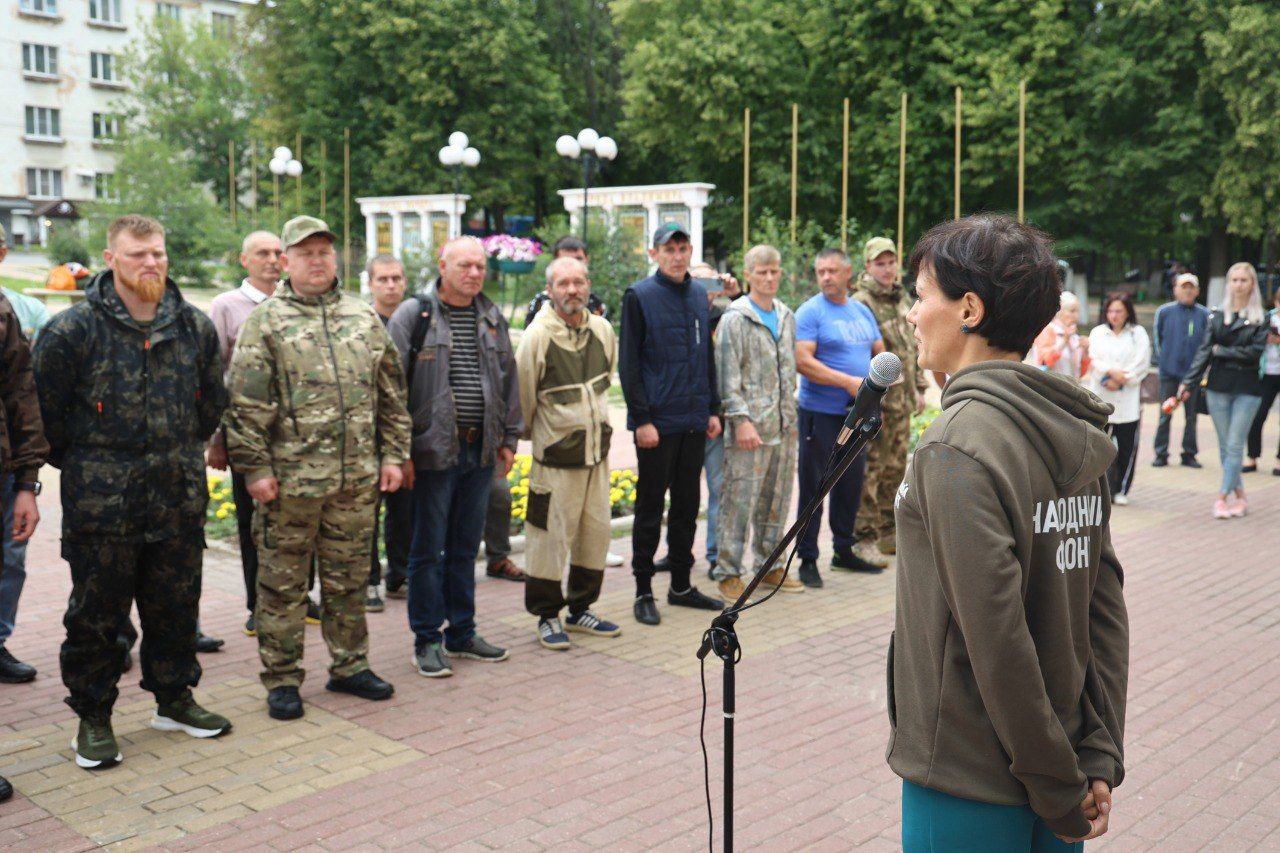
(222, 512)
(229, 507)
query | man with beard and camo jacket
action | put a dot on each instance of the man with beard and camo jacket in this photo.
(130, 390)
(880, 289)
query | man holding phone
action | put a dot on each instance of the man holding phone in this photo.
(669, 383)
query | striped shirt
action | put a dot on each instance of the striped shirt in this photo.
(464, 367)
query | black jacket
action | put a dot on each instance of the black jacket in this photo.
(1232, 354)
(127, 410)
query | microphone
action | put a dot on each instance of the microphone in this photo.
(885, 370)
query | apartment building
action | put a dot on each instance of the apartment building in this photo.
(60, 72)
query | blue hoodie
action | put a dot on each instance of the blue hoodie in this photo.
(1179, 330)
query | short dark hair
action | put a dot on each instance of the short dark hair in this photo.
(1009, 266)
(832, 252)
(568, 243)
(1130, 314)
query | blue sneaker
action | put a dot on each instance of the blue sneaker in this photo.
(587, 622)
(551, 635)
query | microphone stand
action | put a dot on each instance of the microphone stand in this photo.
(722, 639)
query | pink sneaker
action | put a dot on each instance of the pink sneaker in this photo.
(1220, 509)
(1239, 507)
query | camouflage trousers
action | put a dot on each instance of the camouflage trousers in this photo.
(755, 498)
(337, 530)
(566, 521)
(886, 466)
(107, 576)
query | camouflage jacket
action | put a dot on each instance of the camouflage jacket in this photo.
(317, 397)
(891, 307)
(23, 447)
(127, 410)
(757, 374)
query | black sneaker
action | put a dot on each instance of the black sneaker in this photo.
(284, 703)
(845, 560)
(250, 627)
(646, 612)
(373, 602)
(14, 671)
(6, 790)
(711, 570)
(364, 684)
(396, 588)
(551, 634)
(313, 613)
(208, 644)
(1159, 462)
(477, 649)
(127, 663)
(1190, 462)
(809, 574)
(692, 598)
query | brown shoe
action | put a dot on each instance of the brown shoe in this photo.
(888, 546)
(730, 588)
(506, 570)
(773, 577)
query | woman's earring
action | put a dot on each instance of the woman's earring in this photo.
(965, 328)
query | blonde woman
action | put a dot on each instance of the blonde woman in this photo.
(1060, 348)
(1232, 354)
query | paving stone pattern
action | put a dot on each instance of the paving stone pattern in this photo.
(598, 746)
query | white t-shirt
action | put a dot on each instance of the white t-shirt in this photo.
(1129, 351)
(1272, 354)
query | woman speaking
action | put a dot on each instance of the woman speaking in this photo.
(1009, 661)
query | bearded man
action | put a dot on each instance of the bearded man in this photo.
(130, 390)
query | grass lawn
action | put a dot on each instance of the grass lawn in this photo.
(18, 284)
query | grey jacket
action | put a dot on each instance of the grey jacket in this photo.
(431, 406)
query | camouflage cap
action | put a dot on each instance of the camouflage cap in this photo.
(876, 247)
(301, 227)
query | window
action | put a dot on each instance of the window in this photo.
(172, 11)
(102, 67)
(104, 187)
(223, 25)
(106, 127)
(45, 122)
(40, 59)
(39, 7)
(44, 183)
(105, 12)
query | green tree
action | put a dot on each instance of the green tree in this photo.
(1241, 68)
(401, 75)
(187, 86)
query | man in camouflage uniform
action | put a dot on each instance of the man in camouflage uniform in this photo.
(756, 371)
(130, 390)
(318, 425)
(880, 289)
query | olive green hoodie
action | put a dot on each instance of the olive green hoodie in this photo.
(1009, 662)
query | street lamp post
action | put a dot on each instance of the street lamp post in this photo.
(593, 149)
(283, 163)
(457, 154)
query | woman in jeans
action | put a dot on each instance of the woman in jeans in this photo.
(1270, 389)
(1232, 355)
(1121, 356)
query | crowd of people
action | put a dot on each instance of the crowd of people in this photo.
(352, 426)
(1223, 362)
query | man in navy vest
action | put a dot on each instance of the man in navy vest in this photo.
(669, 382)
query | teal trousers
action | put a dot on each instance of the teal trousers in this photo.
(934, 822)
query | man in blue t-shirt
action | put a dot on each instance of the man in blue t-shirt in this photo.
(835, 339)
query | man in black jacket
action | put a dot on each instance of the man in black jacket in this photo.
(130, 391)
(669, 382)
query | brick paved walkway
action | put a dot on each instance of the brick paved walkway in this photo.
(598, 746)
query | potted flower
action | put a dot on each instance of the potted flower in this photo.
(511, 254)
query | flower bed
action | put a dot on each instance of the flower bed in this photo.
(504, 247)
(622, 491)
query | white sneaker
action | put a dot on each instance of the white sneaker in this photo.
(612, 559)
(1120, 500)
